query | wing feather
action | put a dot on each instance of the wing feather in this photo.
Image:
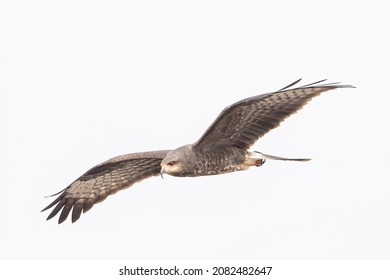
(245, 121)
(103, 180)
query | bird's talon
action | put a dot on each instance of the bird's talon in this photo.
(260, 162)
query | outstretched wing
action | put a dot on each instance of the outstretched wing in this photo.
(103, 180)
(242, 123)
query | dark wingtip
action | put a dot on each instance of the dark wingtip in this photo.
(66, 210)
(333, 85)
(56, 193)
(290, 85)
(58, 199)
(77, 209)
(318, 84)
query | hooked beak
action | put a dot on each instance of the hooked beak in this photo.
(162, 171)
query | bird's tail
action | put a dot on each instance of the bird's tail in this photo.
(264, 156)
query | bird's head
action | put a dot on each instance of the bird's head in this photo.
(179, 162)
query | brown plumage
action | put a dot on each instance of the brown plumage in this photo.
(222, 148)
(105, 179)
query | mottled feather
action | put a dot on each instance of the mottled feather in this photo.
(103, 180)
(244, 122)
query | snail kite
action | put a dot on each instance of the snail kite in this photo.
(222, 148)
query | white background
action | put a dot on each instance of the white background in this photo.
(83, 81)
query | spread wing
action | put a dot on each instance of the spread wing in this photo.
(103, 180)
(242, 123)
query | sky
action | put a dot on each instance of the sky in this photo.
(84, 81)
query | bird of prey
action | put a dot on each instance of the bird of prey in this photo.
(222, 148)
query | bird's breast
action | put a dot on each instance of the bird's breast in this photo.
(219, 162)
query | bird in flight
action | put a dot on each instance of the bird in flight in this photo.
(221, 149)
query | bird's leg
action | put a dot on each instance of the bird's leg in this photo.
(254, 159)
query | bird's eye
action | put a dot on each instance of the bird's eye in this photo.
(171, 163)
